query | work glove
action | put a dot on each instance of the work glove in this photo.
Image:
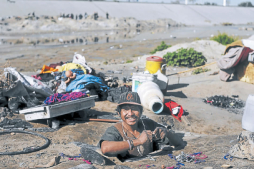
(146, 135)
(159, 133)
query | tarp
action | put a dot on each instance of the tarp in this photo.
(81, 81)
(77, 71)
(30, 83)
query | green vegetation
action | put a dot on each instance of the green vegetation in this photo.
(161, 47)
(200, 70)
(246, 4)
(208, 3)
(129, 61)
(224, 39)
(185, 57)
(105, 63)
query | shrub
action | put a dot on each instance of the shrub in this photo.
(246, 4)
(200, 70)
(185, 57)
(129, 61)
(224, 39)
(161, 47)
(105, 63)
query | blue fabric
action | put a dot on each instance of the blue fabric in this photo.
(77, 71)
(81, 81)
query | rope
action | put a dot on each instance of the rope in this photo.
(79, 157)
(58, 97)
(30, 150)
(191, 69)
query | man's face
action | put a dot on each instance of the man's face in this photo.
(130, 114)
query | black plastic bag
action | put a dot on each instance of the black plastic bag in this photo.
(30, 101)
(14, 103)
(3, 100)
(15, 90)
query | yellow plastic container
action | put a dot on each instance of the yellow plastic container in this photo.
(155, 63)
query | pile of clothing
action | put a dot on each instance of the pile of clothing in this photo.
(235, 54)
(18, 91)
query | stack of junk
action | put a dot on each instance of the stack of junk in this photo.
(238, 60)
(151, 85)
(51, 93)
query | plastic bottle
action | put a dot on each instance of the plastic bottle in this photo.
(151, 96)
(141, 77)
(162, 81)
(248, 115)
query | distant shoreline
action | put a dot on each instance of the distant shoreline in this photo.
(182, 14)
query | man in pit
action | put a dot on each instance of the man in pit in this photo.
(133, 136)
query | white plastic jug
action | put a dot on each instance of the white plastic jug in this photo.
(141, 77)
(248, 115)
(151, 96)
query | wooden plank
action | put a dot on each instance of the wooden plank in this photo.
(49, 111)
(185, 120)
(32, 109)
(36, 116)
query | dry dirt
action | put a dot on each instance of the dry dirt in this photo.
(212, 131)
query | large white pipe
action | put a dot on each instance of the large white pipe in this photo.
(151, 96)
(224, 2)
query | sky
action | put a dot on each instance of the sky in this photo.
(218, 2)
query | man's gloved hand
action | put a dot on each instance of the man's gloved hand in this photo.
(159, 133)
(145, 135)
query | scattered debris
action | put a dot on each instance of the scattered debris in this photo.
(82, 166)
(231, 103)
(121, 167)
(43, 129)
(55, 161)
(226, 166)
(14, 124)
(29, 149)
(244, 148)
(93, 156)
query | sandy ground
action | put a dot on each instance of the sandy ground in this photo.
(212, 131)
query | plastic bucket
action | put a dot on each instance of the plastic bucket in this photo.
(248, 115)
(139, 78)
(154, 63)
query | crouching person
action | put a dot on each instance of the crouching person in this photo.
(134, 137)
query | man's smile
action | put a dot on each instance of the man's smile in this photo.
(131, 118)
